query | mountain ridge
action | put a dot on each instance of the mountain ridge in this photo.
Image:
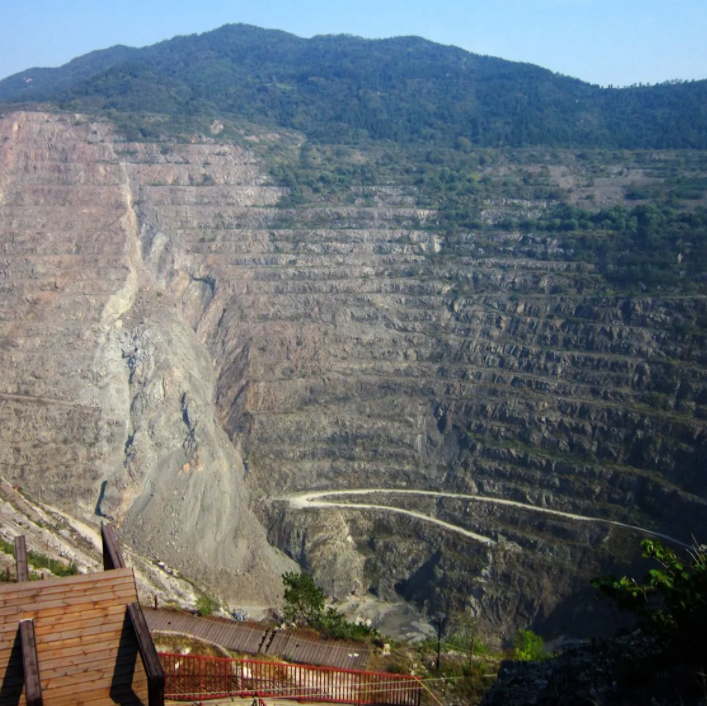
(338, 88)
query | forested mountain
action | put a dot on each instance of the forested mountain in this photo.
(346, 89)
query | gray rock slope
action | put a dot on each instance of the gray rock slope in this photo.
(107, 393)
(179, 354)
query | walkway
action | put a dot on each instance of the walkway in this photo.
(252, 638)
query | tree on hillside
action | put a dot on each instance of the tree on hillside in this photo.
(304, 600)
(304, 605)
(529, 646)
(671, 602)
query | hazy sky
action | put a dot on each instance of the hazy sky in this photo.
(616, 42)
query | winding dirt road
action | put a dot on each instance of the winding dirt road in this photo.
(301, 501)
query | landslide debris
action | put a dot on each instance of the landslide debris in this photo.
(107, 393)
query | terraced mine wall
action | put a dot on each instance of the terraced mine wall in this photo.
(181, 354)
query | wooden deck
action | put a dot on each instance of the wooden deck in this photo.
(86, 646)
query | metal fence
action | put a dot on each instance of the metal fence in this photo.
(193, 678)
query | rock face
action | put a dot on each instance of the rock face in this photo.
(615, 672)
(107, 393)
(181, 354)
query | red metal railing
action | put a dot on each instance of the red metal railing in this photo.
(197, 678)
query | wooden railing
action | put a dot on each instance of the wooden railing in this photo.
(197, 678)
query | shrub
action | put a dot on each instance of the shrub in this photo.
(334, 624)
(58, 568)
(40, 561)
(528, 646)
(206, 605)
(671, 602)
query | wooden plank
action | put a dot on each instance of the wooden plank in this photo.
(100, 681)
(110, 618)
(8, 638)
(92, 601)
(76, 663)
(119, 636)
(22, 567)
(105, 679)
(30, 664)
(234, 636)
(105, 600)
(6, 653)
(80, 650)
(17, 678)
(118, 694)
(34, 589)
(108, 614)
(83, 647)
(73, 609)
(108, 595)
(8, 646)
(106, 673)
(148, 653)
(8, 628)
(108, 701)
(101, 663)
(70, 603)
(78, 638)
(112, 577)
(50, 594)
(98, 671)
(112, 556)
(12, 673)
(67, 638)
(90, 696)
(7, 589)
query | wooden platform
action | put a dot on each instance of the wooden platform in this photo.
(86, 646)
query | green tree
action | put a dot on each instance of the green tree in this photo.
(304, 605)
(463, 144)
(528, 646)
(304, 600)
(465, 637)
(671, 602)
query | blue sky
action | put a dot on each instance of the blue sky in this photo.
(617, 42)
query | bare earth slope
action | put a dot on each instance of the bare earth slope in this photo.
(106, 394)
(180, 354)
